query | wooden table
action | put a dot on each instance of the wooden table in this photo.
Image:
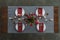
(4, 19)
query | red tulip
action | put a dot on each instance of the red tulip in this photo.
(31, 24)
(36, 22)
(29, 17)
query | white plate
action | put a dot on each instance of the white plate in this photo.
(23, 27)
(16, 12)
(44, 28)
(43, 12)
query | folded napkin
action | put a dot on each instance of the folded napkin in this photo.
(39, 12)
(19, 27)
(41, 26)
(19, 11)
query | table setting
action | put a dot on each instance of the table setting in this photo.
(36, 19)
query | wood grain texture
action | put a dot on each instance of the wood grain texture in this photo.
(56, 19)
(4, 18)
(0, 20)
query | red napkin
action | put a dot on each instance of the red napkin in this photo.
(19, 11)
(39, 12)
(41, 27)
(19, 27)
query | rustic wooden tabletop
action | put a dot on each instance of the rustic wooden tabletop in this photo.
(4, 19)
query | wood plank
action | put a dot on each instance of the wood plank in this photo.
(4, 19)
(0, 20)
(56, 19)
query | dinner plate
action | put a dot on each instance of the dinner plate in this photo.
(20, 28)
(40, 12)
(41, 28)
(20, 12)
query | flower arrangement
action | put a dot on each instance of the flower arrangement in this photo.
(30, 19)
